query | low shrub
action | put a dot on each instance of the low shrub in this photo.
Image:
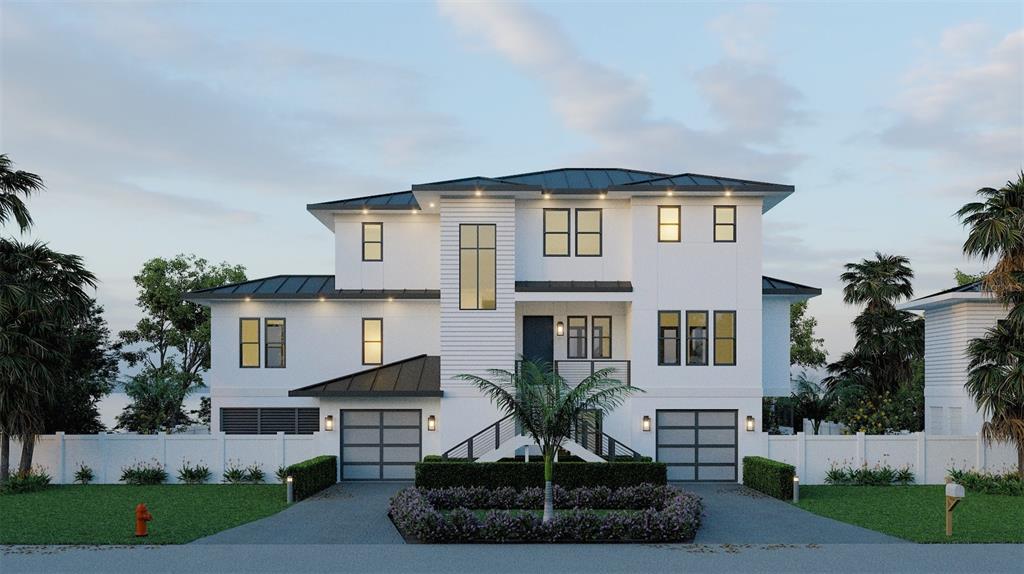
(235, 473)
(311, 476)
(21, 482)
(878, 475)
(769, 476)
(281, 474)
(1007, 483)
(647, 513)
(143, 472)
(84, 474)
(519, 475)
(254, 473)
(197, 474)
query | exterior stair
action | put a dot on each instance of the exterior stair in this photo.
(503, 439)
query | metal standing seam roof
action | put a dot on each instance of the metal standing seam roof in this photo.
(303, 287)
(574, 287)
(773, 286)
(974, 287)
(418, 376)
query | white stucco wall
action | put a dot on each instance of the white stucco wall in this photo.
(775, 372)
(411, 251)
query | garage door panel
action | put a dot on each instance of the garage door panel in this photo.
(705, 451)
(676, 454)
(716, 419)
(676, 419)
(401, 454)
(360, 472)
(717, 436)
(401, 436)
(716, 455)
(361, 436)
(380, 444)
(399, 471)
(402, 418)
(677, 436)
(361, 418)
(361, 454)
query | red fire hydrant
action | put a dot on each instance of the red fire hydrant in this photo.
(142, 516)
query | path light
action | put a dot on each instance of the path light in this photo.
(646, 424)
(750, 423)
(431, 423)
(796, 488)
(291, 488)
(559, 328)
(328, 423)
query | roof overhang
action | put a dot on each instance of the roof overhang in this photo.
(950, 298)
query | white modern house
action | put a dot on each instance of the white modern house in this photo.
(951, 319)
(657, 276)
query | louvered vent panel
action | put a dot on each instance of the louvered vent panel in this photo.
(239, 421)
(273, 421)
(309, 421)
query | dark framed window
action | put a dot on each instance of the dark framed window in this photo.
(588, 232)
(725, 223)
(669, 223)
(373, 241)
(556, 233)
(577, 337)
(249, 343)
(373, 341)
(601, 337)
(477, 266)
(668, 337)
(696, 337)
(725, 337)
(273, 346)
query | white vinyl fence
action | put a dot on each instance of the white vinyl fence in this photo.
(929, 456)
(106, 454)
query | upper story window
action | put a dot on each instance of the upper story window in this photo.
(556, 233)
(373, 241)
(373, 341)
(588, 232)
(696, 337)
(273, 351)
(669, 223)
(725, 223)
(601, 337)
(249, 343)
(577, 338)
(668, 337)
(725, 337)
(477, 266)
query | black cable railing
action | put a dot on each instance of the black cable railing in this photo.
(484, 441)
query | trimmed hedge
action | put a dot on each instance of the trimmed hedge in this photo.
(769, 476)
(311, 476)
(518, 475)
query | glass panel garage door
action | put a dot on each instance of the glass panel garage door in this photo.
(380, 445)
(698, 445)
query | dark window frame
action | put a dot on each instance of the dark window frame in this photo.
(599, 233)
(593, 337)
(569, 338)
(735, 333)
(242, 343)
(678, 225)
(365, 341)
(267, 345)
(567, 232)
(716, 224)
(662, 338)
(478, 249)
(380, 242)
(707, 333)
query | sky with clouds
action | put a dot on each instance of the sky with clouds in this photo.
(206, 127)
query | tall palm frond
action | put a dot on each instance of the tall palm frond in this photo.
(14, 186)
(882, 281)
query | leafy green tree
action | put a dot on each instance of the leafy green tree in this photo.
(156, 398)
(813, 401)
(995, 374)
(804, 348)
(547, 407)
(966, 278)
(14, 186)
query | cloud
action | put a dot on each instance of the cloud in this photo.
(609, 107)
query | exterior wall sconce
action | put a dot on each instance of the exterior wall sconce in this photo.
(328, 423)
(750, 423)
(645, 425)
(559, 328)
(431, 423)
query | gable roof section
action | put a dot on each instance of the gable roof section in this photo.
(303, 287)
(418, 376)
(773, 286)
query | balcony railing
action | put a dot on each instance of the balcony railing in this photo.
(575, 370)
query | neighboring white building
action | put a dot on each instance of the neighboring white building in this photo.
(951, 319)
(656, 276)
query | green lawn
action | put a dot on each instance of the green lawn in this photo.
(105, 513)
(917, 513)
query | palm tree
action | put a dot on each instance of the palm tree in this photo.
(995, 374)
(547, 407)
(12, 185)
(813, 401)
(878, 282)
(42, 294)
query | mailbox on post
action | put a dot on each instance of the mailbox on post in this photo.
(954, 492)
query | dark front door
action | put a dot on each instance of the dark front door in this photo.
(539, 338)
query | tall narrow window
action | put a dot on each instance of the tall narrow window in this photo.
(249, 343)
(556, 233)
(668, 337)
(273, 351)
(601, 338)
(373, 341)
(373, 241)
(588, 232)
(725, 223)
(477, 266)
(668, 223)
(696, 337)
(577, 338)
(725, 337)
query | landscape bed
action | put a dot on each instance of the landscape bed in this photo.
(639, 514)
